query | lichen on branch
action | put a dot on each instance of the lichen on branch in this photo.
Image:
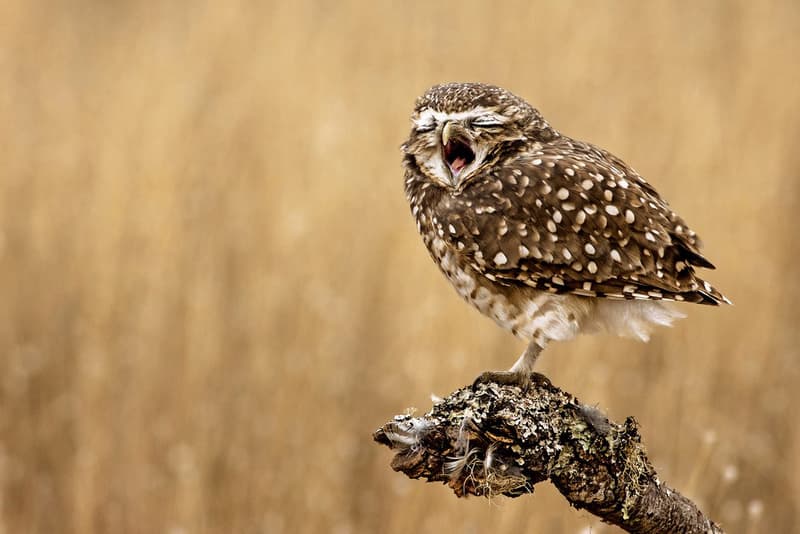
(499, 440)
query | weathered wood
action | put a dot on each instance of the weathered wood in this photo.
(498, 440)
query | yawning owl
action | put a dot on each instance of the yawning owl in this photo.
(547, 235)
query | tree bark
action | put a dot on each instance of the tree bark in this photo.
(498, 440)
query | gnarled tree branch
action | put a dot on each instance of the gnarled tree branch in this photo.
(498, 440)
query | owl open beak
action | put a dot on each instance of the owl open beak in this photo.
(456, 152)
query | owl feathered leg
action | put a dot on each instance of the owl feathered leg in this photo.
(521, 373)
(526, 362)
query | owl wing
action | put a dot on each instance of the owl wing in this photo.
(572, 218)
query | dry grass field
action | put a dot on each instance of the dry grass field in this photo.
(212, 290)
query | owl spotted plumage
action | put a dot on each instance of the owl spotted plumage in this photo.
(549, 236)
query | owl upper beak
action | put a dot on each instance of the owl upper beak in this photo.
(447, 132)
(456, 150)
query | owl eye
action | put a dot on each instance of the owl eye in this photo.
(486, 121)
(425, 127)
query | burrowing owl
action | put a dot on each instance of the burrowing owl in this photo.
(548, 236)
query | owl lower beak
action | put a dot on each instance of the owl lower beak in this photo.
(456, 151)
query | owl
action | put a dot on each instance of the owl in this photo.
(549, 236)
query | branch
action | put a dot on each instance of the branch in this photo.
(497, 440)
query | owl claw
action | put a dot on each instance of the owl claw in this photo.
(511, 378)
(504, 378)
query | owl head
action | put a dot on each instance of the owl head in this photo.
(459, 129)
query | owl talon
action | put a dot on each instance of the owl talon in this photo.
(505, 378)
(539, 377)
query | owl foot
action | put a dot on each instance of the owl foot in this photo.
(522, 380)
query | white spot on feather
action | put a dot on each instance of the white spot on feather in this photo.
(629, 217)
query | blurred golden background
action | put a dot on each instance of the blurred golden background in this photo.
(212, 290)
